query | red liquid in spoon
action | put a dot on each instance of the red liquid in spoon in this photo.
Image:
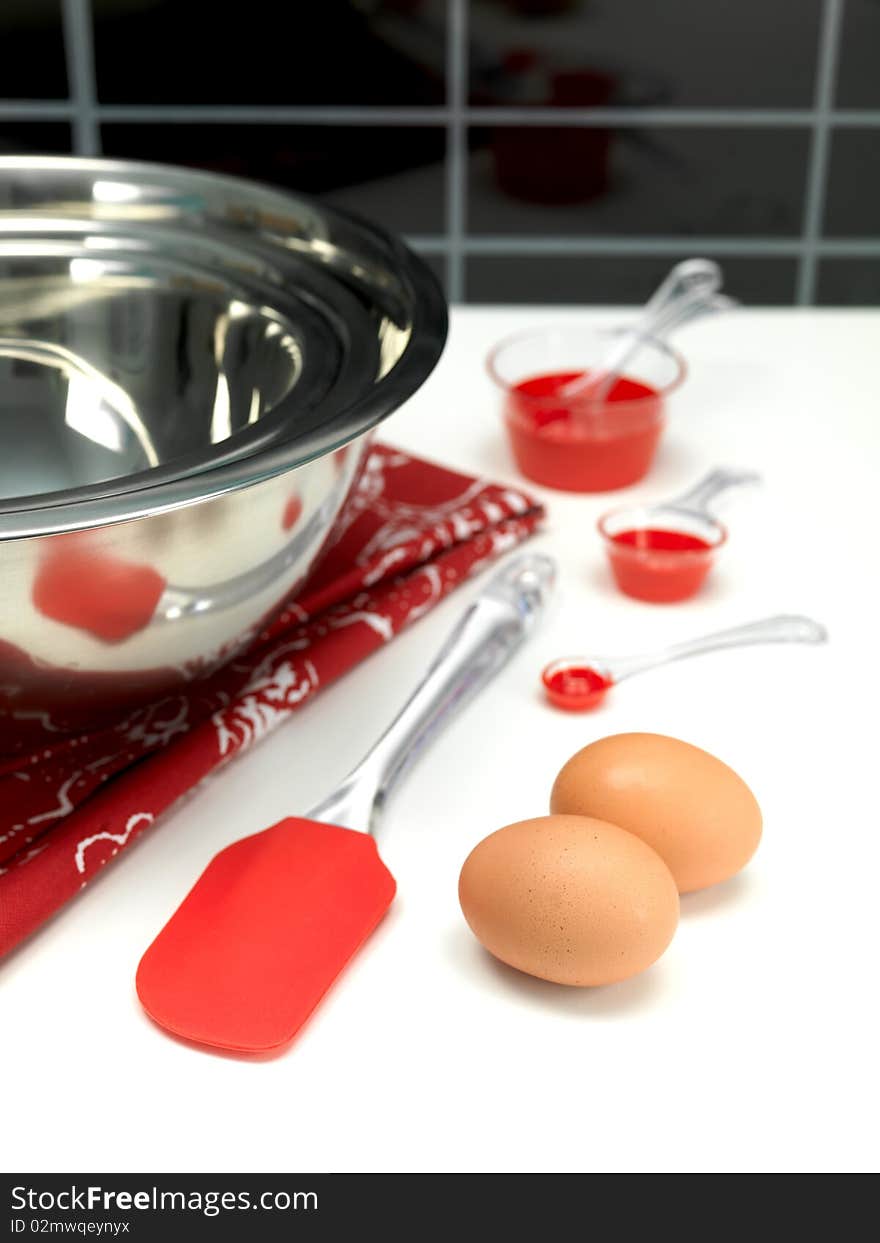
(575, 688)
(583, 446)
(659, 565)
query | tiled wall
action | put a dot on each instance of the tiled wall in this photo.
(534, 150)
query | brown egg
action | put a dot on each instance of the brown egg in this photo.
(569, 899)
(697, 813)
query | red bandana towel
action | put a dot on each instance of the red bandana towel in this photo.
(412, 533)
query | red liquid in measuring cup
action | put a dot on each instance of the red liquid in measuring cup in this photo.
(583, 446)
(654, 540)
(659, 565)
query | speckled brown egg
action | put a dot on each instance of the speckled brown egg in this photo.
(697, 813)
(569, 899)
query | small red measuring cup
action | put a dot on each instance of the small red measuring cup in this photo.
(572, 441)
(663, 553)
(580, 683)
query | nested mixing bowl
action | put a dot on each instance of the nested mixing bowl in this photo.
(190, 369)
(129, 364)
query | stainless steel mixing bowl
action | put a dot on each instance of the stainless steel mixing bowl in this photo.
(131, 364)
(86, 249)
(141, 544)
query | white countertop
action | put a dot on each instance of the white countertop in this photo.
(752, 1045)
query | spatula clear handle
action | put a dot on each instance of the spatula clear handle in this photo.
(485, 638)
(782, 629)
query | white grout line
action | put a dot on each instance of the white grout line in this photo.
(456, 148)
(246, 114)
(755, 248)
(869, 119)
(427, 243)
(817, 168)
(36, 110)
(77, 19)
(848, 248)
(594, 245)
(635, 117)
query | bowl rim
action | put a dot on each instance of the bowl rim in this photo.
(81, 508)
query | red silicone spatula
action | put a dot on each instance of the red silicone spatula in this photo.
(275, 917)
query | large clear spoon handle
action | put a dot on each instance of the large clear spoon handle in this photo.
(786, 628)
(694, 282)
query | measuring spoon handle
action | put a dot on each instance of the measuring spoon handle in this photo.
(785, 628)
(711, 486)
(692, 284)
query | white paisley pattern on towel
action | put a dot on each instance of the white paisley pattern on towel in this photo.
(266, 701)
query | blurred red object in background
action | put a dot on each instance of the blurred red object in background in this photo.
(555, 164)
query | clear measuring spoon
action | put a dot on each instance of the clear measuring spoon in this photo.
(663, 552)
(690, 289)
(579, 683)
